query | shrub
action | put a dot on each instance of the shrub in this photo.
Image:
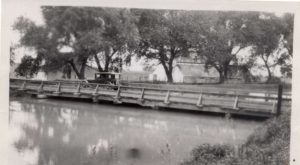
(268, 145)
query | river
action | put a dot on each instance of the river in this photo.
(60, 132)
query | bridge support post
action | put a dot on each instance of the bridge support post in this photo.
(77, 93)
(96, 90)
(23, 86)
(199, 102)
(41, 94)
(118, 96)
(274, 110)
(58, 90)
(279, 100)
(141, 99)
(167, 98)
(40, 89)
(95, 94)
(236, 101)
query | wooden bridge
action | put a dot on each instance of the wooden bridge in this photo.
(264, 103)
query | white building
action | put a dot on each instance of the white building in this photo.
(187, 73)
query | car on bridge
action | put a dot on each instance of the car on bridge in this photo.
(110, 78)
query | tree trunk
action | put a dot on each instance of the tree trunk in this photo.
(98, 63)
(225, 70)
(74, 68)
(221, 77)
(269, 74)
(107, 59)
(82, 71)
(79, 73)
(168, 71)
(106, 65)
(221, 74)
(268, 69)
(169, 76)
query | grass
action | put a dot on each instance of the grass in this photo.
(268, 145)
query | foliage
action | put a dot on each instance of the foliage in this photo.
(267, 145)
(268, 41)
(219, 36)
(87, 33)
(73, 36)
(288, 29)
(162, 38)
(210, 154)
(28, 67)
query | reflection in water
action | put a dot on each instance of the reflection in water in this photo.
(68, 133)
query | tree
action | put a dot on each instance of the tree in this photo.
(270, 42)
(28, 67)
(118, 39)
(162, 37)
(87, 33)
(37, 39)
(219, 36)
(12, 54)
(288, 32)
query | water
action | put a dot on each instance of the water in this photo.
(56, 132)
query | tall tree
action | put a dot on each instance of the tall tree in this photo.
(219, 36)
(118, 38)
(28, 67)
(271, 41)
(288, 33)
(162, 37)
(87, 33)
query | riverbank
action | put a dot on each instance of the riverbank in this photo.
(269, 144)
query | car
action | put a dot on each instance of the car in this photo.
(110, 78)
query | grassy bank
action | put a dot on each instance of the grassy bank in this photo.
(268, 145)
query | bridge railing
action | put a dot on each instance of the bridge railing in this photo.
(236, 101)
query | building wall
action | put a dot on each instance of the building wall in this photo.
(158, 74)
(90, 73)
(179, 76)
(134, 76)
(40, 76)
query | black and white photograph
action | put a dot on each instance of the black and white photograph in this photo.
(107, 84)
